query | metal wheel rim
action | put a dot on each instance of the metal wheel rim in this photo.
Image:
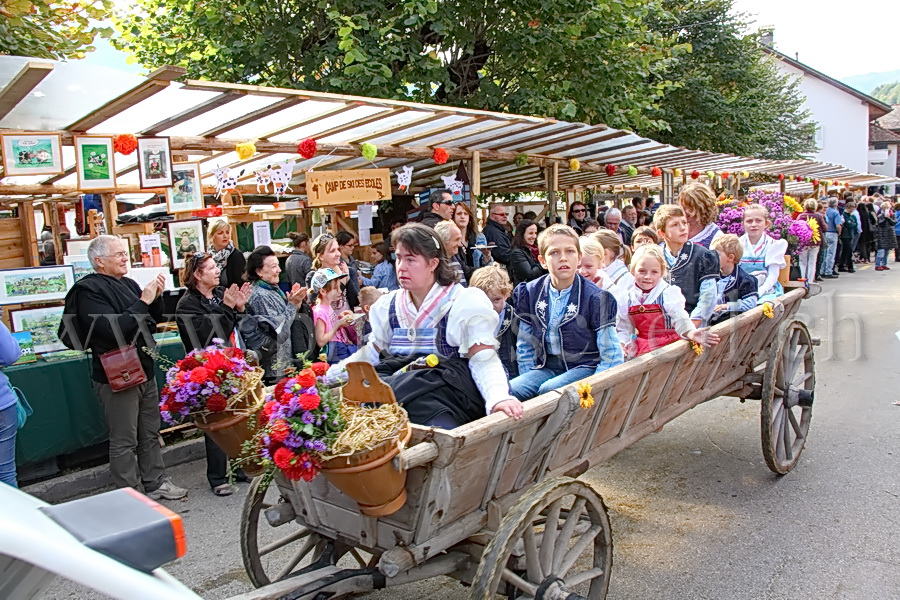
(783, 422)
(549, 570)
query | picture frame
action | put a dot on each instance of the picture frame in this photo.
(26, 347)
(32, 153)
(35, 284)
(42, 323)
(81, 264)
(185, 237)
(95, 163)
(154, 162)
(186, 192)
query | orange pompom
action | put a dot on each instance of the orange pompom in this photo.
(440, 156)
(125, 143)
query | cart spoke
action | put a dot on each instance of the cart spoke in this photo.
(565, 534)
(778, 435)
(517, 581)
(579, 578)
(297, 535)
(551, 530)
(358, 558)
(794, 423)
(579, 547)
(786, 433)
(307, 547)
(532, 560)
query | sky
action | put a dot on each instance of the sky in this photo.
(835, 38)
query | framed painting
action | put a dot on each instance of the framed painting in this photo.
(43, 323)
(35, 284)
(95, 163)
(81, 264)
(186, 193)
(154, 162)
(185, 237)
(31, 153)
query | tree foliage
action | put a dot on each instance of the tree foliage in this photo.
(593, 61)
(52, 29)
(731, 97)
(889, 93)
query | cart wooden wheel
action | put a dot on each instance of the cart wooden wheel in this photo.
(787, 396)
(555, 543)
(272, 553)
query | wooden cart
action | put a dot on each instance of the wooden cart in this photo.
(497, 503)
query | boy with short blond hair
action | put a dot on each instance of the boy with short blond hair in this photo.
(692, 267)
(736, 290)
(567, 328)
(494, 282)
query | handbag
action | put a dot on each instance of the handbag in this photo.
(23, 409)
(123, 368)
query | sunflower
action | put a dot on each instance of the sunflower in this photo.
(698, 349)
(584, 395)
(792, 204)
(816, 234)
(767, 310)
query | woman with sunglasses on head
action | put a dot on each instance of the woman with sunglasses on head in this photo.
(207, 311)
(278, 325)
(229, 259)
(327, 255)
(433, 315)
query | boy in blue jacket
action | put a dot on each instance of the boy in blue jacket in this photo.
(567, 328)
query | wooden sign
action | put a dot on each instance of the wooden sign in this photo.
(333, 188)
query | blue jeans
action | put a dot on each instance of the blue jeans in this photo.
(553, 376)
(9, 423)
(881, 257)
(831, 239)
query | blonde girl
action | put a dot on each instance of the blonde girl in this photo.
(763, 256)
(616, 257)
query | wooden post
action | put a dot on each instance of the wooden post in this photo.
(110, 211)
(29, 233)
(668, 188)
(55, 230)
(475, 175)
(552, 176)
(781, 185)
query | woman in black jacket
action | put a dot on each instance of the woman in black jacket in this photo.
(523, 259)
(207, 311)
(229, 259)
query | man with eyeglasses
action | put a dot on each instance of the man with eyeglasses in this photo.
(496, 233)
(439, 208)
(103, 310)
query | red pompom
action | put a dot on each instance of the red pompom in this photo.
(217, 403)
(799, 178)
(320, 368)
(781, 177)
(815, 182)
(306, 378)
(440, 156)
(847, 184)
(725, 174)
(307, 148)
(125, 143)
(695, 174)
(610, 170)
(656, 171)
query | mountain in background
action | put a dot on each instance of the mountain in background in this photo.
(889, 93)
(868, 82)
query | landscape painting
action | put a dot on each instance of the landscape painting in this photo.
(43, 323)
(36, 284)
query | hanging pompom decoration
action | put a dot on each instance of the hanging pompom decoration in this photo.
(781, 177)
(809, 180)
(745, 174)
(815, 182)
(610, 170)
(695, 174)
(632, 171)
(711, 174)
(245, 150)
(125, 143)
(574, 165)
(846, 184)
(656, 171)
(725, 174)
(677, 172)
(799, 178)
(521, 159)
(369, 151)
(307, 148)
(440, 156)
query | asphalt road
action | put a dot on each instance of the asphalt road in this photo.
(695, 512)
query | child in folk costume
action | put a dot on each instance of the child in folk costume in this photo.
(494, 282)
(616, 257)
(691, 267)
(567, 324)
(736, 289)
(432, 314)
(593, 262)
(652, 313)
(763, 256)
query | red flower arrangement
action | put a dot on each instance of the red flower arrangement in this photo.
(307, 148)
(440, 156)
(125, 143)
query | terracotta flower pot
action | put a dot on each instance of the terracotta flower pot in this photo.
(784, 275)
(370, 477)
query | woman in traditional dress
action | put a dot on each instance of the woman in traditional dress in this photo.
(229, 259)
(431, 314)
(699, 205)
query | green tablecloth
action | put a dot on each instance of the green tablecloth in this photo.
(67, 414)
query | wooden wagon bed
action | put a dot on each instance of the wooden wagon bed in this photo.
(470, 489)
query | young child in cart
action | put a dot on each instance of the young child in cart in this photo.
(763, 256)
(652, 313)
(333, 331)
(494, 282)
(691, 267)
(567, 324)
(736, 289)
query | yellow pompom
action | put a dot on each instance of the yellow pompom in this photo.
(677, 172)
(245, 150)
(574, 165)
